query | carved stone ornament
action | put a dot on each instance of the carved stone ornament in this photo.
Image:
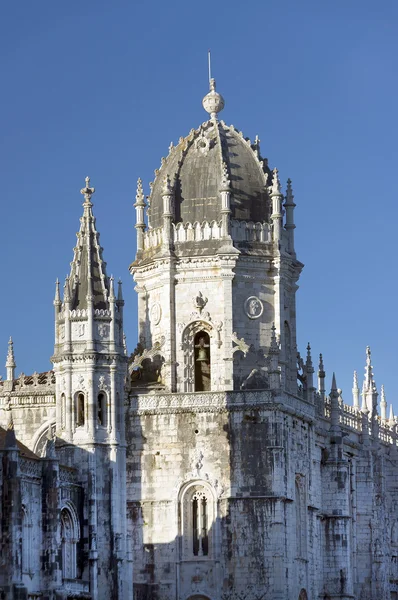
(240, 344)
(154, 351)
(202, 144)
(102, 330)
(199, 301)
(155, 313)
(253, 307)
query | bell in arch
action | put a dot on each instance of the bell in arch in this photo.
(202, 361)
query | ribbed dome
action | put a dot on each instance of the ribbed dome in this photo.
(195, 168)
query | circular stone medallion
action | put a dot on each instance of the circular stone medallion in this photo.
(156, 313)
(253, 307)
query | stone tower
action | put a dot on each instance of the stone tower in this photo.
(216, 263)
(216, 274)
(90, 369)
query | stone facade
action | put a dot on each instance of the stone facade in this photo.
(208, 465)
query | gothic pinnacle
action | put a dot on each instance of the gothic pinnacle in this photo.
(167, 187)
(274, 348)
(309, 358)
(111, 288)
(334, 386)
(57, 298)
(119, 291)
(383, 404)
(355, 391)
(276, 184)
(10, 354)
(139, 197)
(225, 182)
(391, 420)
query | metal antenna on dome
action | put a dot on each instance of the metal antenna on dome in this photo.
(209, 62)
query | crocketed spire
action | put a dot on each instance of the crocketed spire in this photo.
(88, 280)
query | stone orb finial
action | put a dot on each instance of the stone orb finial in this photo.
(213, 102)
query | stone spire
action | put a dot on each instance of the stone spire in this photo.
(213, 102)
(355, 391)
(10, 363)
(289, 207)
(370, 384)
(88, 282)
(309, 369)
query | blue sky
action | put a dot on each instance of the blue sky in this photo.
(101, 88)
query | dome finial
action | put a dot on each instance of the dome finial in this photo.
(213, 102)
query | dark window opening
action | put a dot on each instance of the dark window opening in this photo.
(80, 414)
(202, 362)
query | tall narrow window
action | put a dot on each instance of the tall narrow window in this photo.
(80, 410)
(202, 362)
(197, 521)
(69, 538)
(101, 409)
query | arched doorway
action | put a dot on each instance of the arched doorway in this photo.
(303, 595)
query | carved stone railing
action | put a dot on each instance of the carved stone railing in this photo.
(67, 474)
(217, 402)
(152, 238)
(30, 467)
(248, 231)
(351, 417)
(196, 232)
(27, 397)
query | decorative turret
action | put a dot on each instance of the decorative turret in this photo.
(140, 222)
(89, 322)
(216, 224)
(90, 366)
(289, 207)
(10, 363)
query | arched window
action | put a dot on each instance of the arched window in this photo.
(69, 539)
(80, 410)
(26, 542)
(202, 362)
(102, 415)
(197, 518)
